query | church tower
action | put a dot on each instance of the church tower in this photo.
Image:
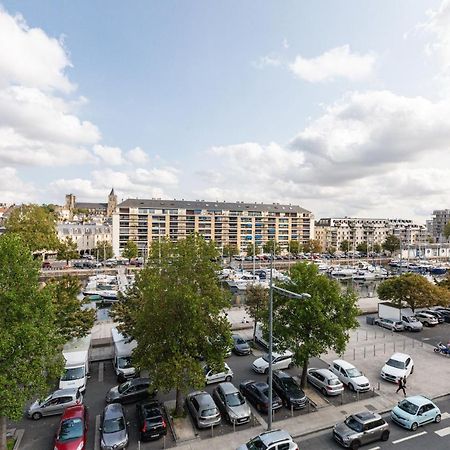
(112, 203)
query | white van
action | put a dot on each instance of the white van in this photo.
(76, 369)
(122, 362)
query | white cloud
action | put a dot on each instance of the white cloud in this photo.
(267, 61)
(13, 189)
(339, 62)
(111, 156)
(285, 43)
(137, 156)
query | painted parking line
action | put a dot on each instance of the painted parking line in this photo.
(101, 367)
(445, 415)
(443, 432)
(374, 448)
(97, 433)
(407, 438)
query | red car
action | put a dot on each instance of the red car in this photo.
(73, 429)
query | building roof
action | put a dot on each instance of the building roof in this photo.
(85, 205)
(219, 206)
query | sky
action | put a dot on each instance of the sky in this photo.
(339, 106)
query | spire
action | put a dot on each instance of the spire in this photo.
(112, 192)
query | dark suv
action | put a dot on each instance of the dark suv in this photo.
(289, 390)
(151, 422)
(130, 391)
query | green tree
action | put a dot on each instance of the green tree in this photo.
(130, 250)
(362, 247)
(345, 246)
(230, 250)
(391, 244)
(447, 230)
(331, 250)
(376, 247)
(103, 250)
(413, 290)
(311, 326)
(36, 225)
(256, 301)
(294, 247)
(272, 247)
(179, 293)
(30, 357)
(67, 250)
(250, 248)
(312, 246)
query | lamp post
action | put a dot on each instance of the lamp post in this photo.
(286, 293)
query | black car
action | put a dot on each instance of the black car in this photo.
(240, 346)
(257, 393)
(444, 312)
(131, 391)
(151, 422)
(289, 391)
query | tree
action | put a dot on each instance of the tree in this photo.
(256, 301)
(72, 320)
(391, 244)
(36, 225)
(230, 250)
(413, 290)
(362, 247)
(345, 246)
(130, 250)
(294, 247)
(376, 247)
(272, 247)
(331, 250)
(67, 250)
(312, 246)
(103, 250)
(447, 230)
(311, 326)
(30, 357)
(250, 248)
(176, 315)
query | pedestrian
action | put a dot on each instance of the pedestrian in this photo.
(401, 385)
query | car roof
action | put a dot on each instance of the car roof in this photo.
(72, 412)
(343, 364)
(228, 388)
(418, 400)
(286, 353)
(366, 416)
(113, 411)
(64, 392)
(281, 374)
(400, 356)
(204, 399)
(325, 372)
(425, 313)
(270, 437)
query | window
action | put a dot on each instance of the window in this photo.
(284, 446)
(194, 403)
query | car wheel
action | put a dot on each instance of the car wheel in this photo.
(266, 371)
(426, 324)
(36, 416)
(414, 426)
(228, 378)
(385, 435)
(324, 391)
(291, 365)
(351, 387)
(355, 445)
(437, 419)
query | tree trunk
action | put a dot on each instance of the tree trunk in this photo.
(2, 433)
(304, 373)
(178, 404)
(254, 330)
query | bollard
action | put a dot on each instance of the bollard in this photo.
(373, 349)
(139, 444)
(354, 357)
(357, 396)
(212, 430)
(292, 410)
(364, 352)
(164, 441)
(357, 336)
(378, 386)
(342, 398)
(234, 426)
(366, 335)
(413, 342)
(394, 346)
(373, 392)
(375, 334)
(309, 406)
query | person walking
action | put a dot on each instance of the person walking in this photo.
(401, 385)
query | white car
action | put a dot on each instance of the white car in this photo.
(279, 361)
(216, 377)
(428, 320)
(399, 365)
(350, 375)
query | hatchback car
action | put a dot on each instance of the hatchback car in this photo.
(289, 390)
(211, 376)
(271, 440)
(257, 393)
(359, 429)
(325, 380)
(151, 422)
(114, 432)
(279, 361)
(390, 324)
(130, 391)
(350, 375)
(411, 323)
(399, 365)
(415, 411)
(55, 403)
(240, 346)
(437, 314)
(428, 320)
(73, 429)
(203, 409)
(232, 403)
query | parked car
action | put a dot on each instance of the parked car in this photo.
(55, 403)
(289, 390)
(411, 323)
(73, 429)
(113, 429)
(390, 324)
(415, 411)
(359, 429)
(231, 402)
(279, 361)
(130, 391)
(439, 316)
(271, 440)
(257, 393)
(150, 420)
(399, 365)
(203, 409)
(325, 380)
(211, 376)
(445, 312)
(350, 375)
(428, 320)
(240, 346)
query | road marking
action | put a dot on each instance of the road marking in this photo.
(100, 372)
(97, 433)
(374, 448)
(409, 437)
(445, 415)
(443, 432)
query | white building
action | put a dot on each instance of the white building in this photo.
(86, 236)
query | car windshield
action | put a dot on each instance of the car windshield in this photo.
(125, 362)
(396, 364)
(75, 373)
(256, 444)
(234, 399)
(239, 341)
(408, 407)
(290, 384)
(113, 425)
(353, 424)
(124, 386)
(70, 429)
(353, 373)
(209, 412)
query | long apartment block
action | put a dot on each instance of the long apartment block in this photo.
(145, 221)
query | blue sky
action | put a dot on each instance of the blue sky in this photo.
(339, 106)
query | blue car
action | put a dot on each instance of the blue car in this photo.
(415, 411)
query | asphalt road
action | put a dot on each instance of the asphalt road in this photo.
(434, 436)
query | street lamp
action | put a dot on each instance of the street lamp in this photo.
(289, 294)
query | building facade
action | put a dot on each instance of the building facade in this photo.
(440, 218)
(73, 209)
(145, 221)
(86, 236)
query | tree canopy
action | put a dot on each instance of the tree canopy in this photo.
(312, 246)
(130, 250)
(272, 247)
(249, 249)
(311, 326)
(294, 247)
(103, 250)
(362, 247)
(256, 301)
(67, 250)
(176, 315)
(230, 250)
(391, 244)
(345, 246)
(447, 230)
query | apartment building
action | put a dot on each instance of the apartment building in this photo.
(440, 218)
(145, 221)
(86, 236)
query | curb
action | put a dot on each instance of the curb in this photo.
(19, 436)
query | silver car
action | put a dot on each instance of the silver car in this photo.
(114, 432)
(390, 324)
(326, 381)
(55, 403)
(232, 403)
(203, 409)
